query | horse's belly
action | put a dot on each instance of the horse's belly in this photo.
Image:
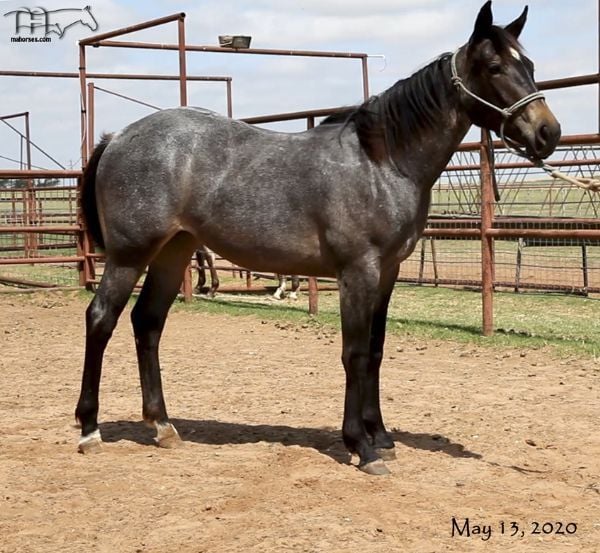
(282, 252)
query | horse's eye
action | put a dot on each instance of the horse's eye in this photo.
(495, 68)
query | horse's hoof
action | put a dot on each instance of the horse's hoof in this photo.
(92, 443)
(386, 453)
(167, 436)
(375, 468)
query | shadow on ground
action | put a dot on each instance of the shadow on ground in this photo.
(325, 440)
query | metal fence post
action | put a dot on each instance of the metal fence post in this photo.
(187, 287)
(313, 286)
(487, 241)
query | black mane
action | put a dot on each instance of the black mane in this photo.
(411, 106)
(390, 121)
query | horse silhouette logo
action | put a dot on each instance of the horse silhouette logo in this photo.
(52, 21)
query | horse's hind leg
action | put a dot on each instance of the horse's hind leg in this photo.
(101, 318)
(148, 318)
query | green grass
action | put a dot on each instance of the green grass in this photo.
(568, 326)
(58, 275)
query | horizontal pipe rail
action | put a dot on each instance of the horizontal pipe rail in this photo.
(37, 260)
(504, 232)
(544, 233)
(41, 229)
(505, 221)
(499, 284)
(133, 28)
(526, 164)
(292, 116)
(28, 283)
(452, 232)
(120, 76)
(569, 140)
(561, 234)
(222, 50)
(14, 115)
(40, 173)
(569, 82)
(41, 189)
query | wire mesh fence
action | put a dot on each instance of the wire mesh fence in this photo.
(47, 257)
(528, 200)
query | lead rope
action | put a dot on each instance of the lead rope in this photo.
(590, 184)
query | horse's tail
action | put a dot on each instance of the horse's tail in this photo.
(88, 192)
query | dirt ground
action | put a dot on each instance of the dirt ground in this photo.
(504, 438)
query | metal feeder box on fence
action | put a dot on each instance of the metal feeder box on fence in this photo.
(234, 41)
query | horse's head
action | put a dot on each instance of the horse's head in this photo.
(497, 87)
(88, 18)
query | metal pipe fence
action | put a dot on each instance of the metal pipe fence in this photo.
(541, 235)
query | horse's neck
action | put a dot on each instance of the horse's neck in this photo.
(431, 152)
(426, 154)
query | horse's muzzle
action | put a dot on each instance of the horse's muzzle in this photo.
(541, 131)
(546, 138)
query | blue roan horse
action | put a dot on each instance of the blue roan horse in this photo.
(348, 199)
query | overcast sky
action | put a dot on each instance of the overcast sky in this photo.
(561, 37)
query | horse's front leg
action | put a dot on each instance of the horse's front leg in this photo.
(372, 417)
(358, 300)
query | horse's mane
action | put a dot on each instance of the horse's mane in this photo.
(390, 121)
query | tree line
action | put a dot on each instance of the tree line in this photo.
(14, 184)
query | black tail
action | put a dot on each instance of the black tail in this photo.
(88, 192)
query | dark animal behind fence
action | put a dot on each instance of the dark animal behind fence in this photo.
(206, 259)
(347, 200)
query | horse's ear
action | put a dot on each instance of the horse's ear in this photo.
(517, 25)
(483, 25)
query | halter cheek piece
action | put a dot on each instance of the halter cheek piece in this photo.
(506, 113)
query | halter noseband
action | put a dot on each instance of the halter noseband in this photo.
(506, 113)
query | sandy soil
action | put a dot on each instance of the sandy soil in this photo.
(492, 436)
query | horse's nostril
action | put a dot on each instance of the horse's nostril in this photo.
(544, 134)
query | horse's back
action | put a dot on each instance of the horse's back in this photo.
(194, 170)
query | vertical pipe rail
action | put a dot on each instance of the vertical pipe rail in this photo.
(313, 287)
(487, 242)
(229, 100)
(30, 208)
(83, 100)
(187, 288)
(81, 240)
(88, 272)
(365, 76)
(90, 118)
(182, 64)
